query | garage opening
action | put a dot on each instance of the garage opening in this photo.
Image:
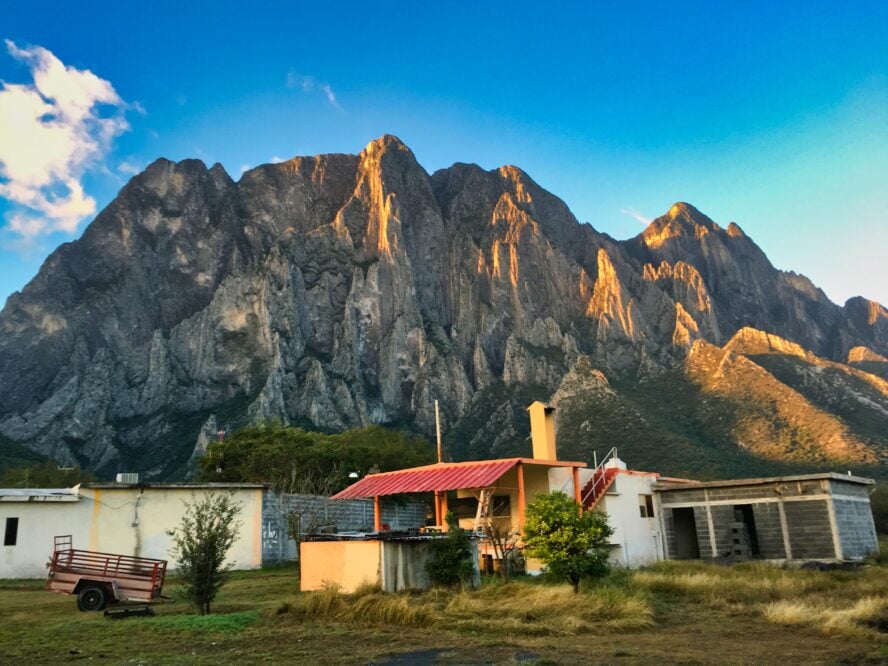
(743, 533)
(685, 526)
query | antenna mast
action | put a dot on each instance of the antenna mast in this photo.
(438, 430)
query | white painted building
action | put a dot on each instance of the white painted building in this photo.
(629, 502)
(630, 505)
(119, 518)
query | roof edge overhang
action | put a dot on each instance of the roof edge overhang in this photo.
(442, 477)
(674, 484)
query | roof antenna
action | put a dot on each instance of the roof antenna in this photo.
(438, 429)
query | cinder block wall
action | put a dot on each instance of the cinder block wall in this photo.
(770, 534)
(815, 509)
(344, 515)
(854, 520)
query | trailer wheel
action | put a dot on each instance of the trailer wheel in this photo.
(92, 598)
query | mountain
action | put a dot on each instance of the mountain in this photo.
(340, 290)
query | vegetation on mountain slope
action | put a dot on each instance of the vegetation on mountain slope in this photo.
(287, 457)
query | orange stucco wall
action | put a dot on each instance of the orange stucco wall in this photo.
(348, 564)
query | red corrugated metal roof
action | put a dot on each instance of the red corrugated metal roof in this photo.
(439, 477)
(431, 478)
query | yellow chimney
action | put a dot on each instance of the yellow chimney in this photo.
(542, 431)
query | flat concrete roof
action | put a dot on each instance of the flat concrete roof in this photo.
(665, 486)
(112, 485)
(38, 495)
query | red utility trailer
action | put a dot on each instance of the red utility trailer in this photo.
(99, 579)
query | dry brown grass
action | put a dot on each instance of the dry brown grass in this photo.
(858, 618)
(833, 602)
(263, 618)
(518, 607)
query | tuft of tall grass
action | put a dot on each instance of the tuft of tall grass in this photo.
(367, 606)
(502, 608)
(743, 584)
(388, 609)
(853, 619)
(551, 609)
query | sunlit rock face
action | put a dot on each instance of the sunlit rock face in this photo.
(342, 290)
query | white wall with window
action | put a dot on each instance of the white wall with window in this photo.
(126, 519)
(631, 511)
(29, 519)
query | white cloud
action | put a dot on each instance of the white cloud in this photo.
(277, 160)
(244, 168)
(331, 96)
(129, 168)
(631, 212)
(51, 131)
(309, 84)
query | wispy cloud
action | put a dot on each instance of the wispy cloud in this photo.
(244, 168)
(129, 167)
(631, 212)
(309, 84)
(277, 160)
(52, 130)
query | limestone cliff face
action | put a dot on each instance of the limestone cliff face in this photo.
(744, 289)
(341, 290)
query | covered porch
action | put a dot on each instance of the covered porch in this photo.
(475, 491)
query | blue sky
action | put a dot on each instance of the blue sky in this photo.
(774, 115)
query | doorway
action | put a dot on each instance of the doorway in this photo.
(744, 535)
(685, 526)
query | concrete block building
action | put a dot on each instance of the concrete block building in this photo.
(806, 517)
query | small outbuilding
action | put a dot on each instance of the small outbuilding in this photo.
(392, 562)
(806, 517)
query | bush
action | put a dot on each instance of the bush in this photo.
(200, 544)
(569, 541)
(451, 564)
(879, 504)
(277, 454)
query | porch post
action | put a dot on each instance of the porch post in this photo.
(521, 500)
(438, 516)
(377, 515)
(444, 510)
(577, 490)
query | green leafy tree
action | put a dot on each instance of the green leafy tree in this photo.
(200, 544)
(451, 564)
(276, 454)
(569, 541)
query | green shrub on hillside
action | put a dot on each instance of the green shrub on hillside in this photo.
(278, 454)
(45, 475)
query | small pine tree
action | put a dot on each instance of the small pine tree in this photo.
(451, 564)
(569, 541)
(200, 544)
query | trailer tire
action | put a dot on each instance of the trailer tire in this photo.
(92, 598)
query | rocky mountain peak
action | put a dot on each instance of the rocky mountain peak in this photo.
(749, 340)
(863, 354)
(343, 290)
(682, 220)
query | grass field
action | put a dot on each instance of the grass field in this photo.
(669, 613)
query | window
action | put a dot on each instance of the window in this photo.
(11, 535)
(646, 506)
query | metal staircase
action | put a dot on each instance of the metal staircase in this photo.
(602, 479)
